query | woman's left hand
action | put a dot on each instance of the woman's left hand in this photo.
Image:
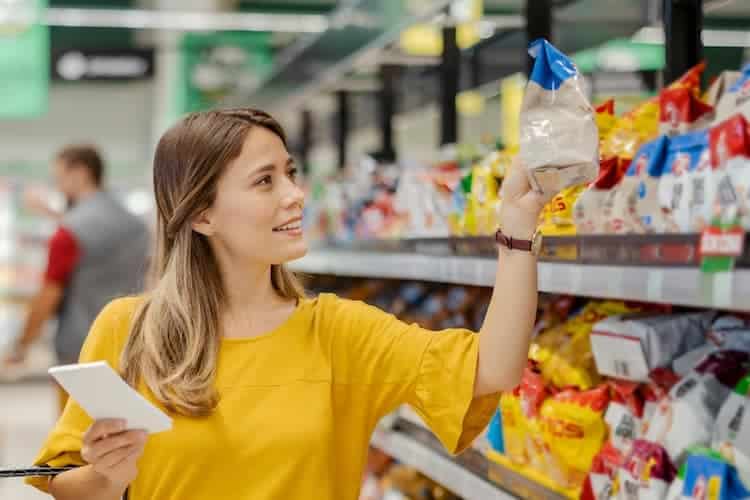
(521, 205)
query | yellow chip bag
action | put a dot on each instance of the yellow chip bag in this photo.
(514, 428)
(632, 130)
(605, 119)
(574, 432)
(484, 195)
(563, 353)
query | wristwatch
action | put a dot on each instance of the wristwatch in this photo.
(534, 245)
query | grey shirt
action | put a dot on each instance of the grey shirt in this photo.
(113, 247)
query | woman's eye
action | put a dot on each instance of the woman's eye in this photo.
(293, 172)
(265, 181)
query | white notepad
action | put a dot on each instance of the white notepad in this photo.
(102, 393)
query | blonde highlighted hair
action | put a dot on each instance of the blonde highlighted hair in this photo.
(174, 336)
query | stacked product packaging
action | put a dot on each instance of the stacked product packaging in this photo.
(676, 163)
(622, 401)
(618, 401)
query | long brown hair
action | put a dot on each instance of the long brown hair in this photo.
(174, 336)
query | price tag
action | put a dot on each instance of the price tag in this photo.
(717, 243)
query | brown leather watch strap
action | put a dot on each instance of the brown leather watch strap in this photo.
(512, 243)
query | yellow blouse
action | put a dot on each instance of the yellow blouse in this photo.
(298, 404)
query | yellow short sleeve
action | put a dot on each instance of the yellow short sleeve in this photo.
(397, 363)
(104, 343)
(444, 391)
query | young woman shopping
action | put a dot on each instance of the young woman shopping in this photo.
(274, 395)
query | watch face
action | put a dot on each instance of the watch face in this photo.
(536, 243)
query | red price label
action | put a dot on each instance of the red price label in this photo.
(716, 243)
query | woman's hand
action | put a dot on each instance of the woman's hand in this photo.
(113, 451)
(521, 205)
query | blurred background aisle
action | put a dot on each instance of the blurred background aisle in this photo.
(23, 432)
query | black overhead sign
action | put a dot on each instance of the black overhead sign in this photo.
(102, 64)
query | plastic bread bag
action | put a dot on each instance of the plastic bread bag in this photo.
(635, 207)
(687, 155)
(686, 417)
(559, 143)
(630, 347)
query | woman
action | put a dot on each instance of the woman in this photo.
(273, 395)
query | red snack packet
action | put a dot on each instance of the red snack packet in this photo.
(681, 111)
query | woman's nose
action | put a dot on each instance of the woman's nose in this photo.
(294, 196)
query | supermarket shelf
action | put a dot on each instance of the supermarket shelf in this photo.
(685, 286)
(438, 467)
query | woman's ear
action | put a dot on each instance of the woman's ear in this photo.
(203, 223)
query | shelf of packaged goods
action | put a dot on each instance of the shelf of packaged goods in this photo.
(437, 466)
(686, 286)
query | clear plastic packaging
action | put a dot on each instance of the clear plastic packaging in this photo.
(559, 137)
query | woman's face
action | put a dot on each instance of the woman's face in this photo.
(257, 214)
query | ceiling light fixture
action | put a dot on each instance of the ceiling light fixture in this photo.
(710, 37)
(170, 20)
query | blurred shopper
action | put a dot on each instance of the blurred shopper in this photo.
(273, 395)
(97, 254)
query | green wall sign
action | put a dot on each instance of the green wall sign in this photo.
(219, 69)
(24, 61)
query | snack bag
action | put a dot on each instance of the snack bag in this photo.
(624, 414)
(737, 98)
(682, 111)
(730, 159)
(495, 432)
(483, 200)
(636, 201)
(514, 427)
(632, 130)
(630, 347)
(599, 483)
(728, 333)
(559, 142)
(732, 423)
(588, 211)
(685, 418)
(708, 477)
(558, 213)
(564, 352)
(646, 472)
(573, 364)
(605, 119)
(641, 124)
(532, 395)
(718, 88)
(574, 432)
(685, 154)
